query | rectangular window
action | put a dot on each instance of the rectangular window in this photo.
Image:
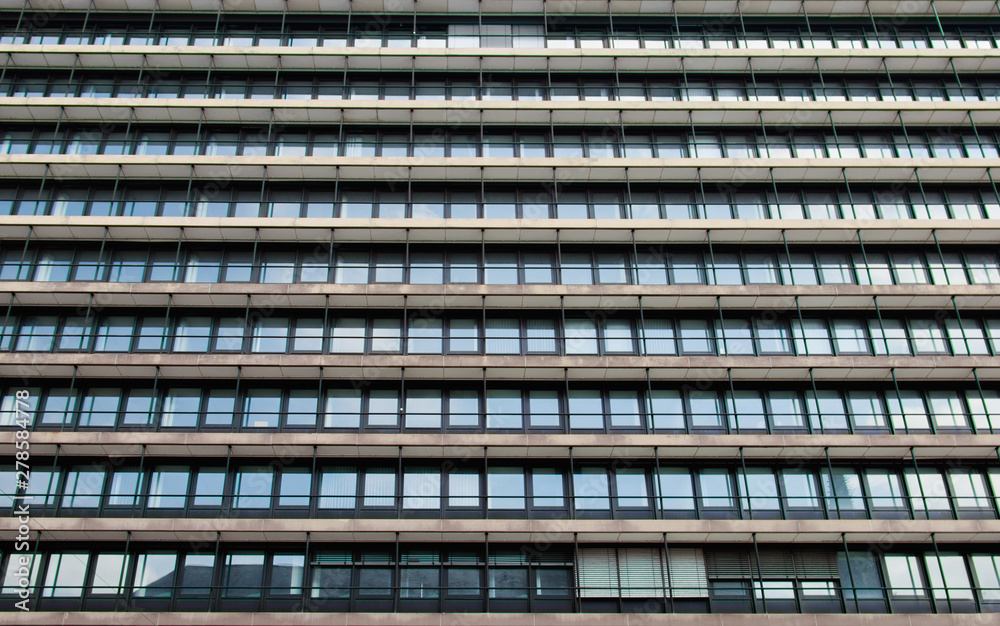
(270, 335)
(168, 488)
(383, 408)
(421, 489)
(294, 488)
(716, 489)
(631, 488)
(154, 575)
(423, 408)
(380, 487)
(243, 575)
(261, 408)
(547, 488)
(252, 489)
(338, 488)
(463, 408)
(591, 489)
(503, 409)
(585, 409)
(64, 576)
(83, 488)
(505, 488)
(503, 336)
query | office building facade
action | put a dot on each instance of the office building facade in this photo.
(506, 312)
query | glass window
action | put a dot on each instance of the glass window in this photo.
(826, 410)
(262, 408)
(114, 334)
(543, 409)
(286, 574)
(758, 490)
(243, 575)
(675, 489)
(220, 407)
(83, 488)
(695, 337)
(547, 488)
(307, 335)
(903, 574)
(866, 409)
(987, 572)
(746, 410)
(800, 488)
(383, 407)
(885, 491)
(503, 408)
(618, 336)
(591, 489)
(270, 335)
(706, 411)
(64, 576)
(423, 408)
(969, 489)
(927, 490)
(786, 408)
(907, 411)
(843, 490)
(208, 487)
(850, 337)
(109, 574)
(421, 489)
(503, 336)
(631, 487)
(154, 575)
(812, 337)
(294, 488)
(338, 488)
(585, 409)
(348, 336)
(426, 336)
(501, 268)
(124, 488)
(380, 487)
(99, 408)
(463, 407)
(168, 488)
(716, 489)
(624, 409)
(541, 336)
(463, 489)
(192, 334)
(505, 488)
(303, 406)
(252, 488)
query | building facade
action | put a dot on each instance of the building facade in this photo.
(506, 312)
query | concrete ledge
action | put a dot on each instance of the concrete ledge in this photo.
(475, 297)
(496, 368)
(509, 530)
(515, 447)
(488, 619)
(657, 233)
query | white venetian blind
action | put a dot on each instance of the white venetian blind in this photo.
(641, 572)
(688, 578)
(597, 573)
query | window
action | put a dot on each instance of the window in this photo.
(338, 488)
(591, 490)
(109, 574)
(463, 408)
(180, 408)
(716, 489)
(801, 491)
(294, 488)
(631, 487)
(64, 576)
(243, 575)
(547, 488)
(505, 488)
(885, 491)
(168, 488)
(83, 488)
(423, 408)
(99, 408)
(842, 491)
(380, 488)
(270, 335)
(154, 575)
(262, 408)
(585, 409)
(928, 493)
(286, 574)
(758, 490)
(675, 489)
(421, 489)
(503, 409)
(252, 489)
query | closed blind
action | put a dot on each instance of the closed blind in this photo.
(640, 572)
(774, 565)
(688, 577)
(597, 573)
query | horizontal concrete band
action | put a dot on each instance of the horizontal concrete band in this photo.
(481, 169)
(738, 60)
(492, 297)
(487, 619)
(649, 235)
(955, 115)
(497, 368)
(509, 530)
(722, 8)
(476, 446)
